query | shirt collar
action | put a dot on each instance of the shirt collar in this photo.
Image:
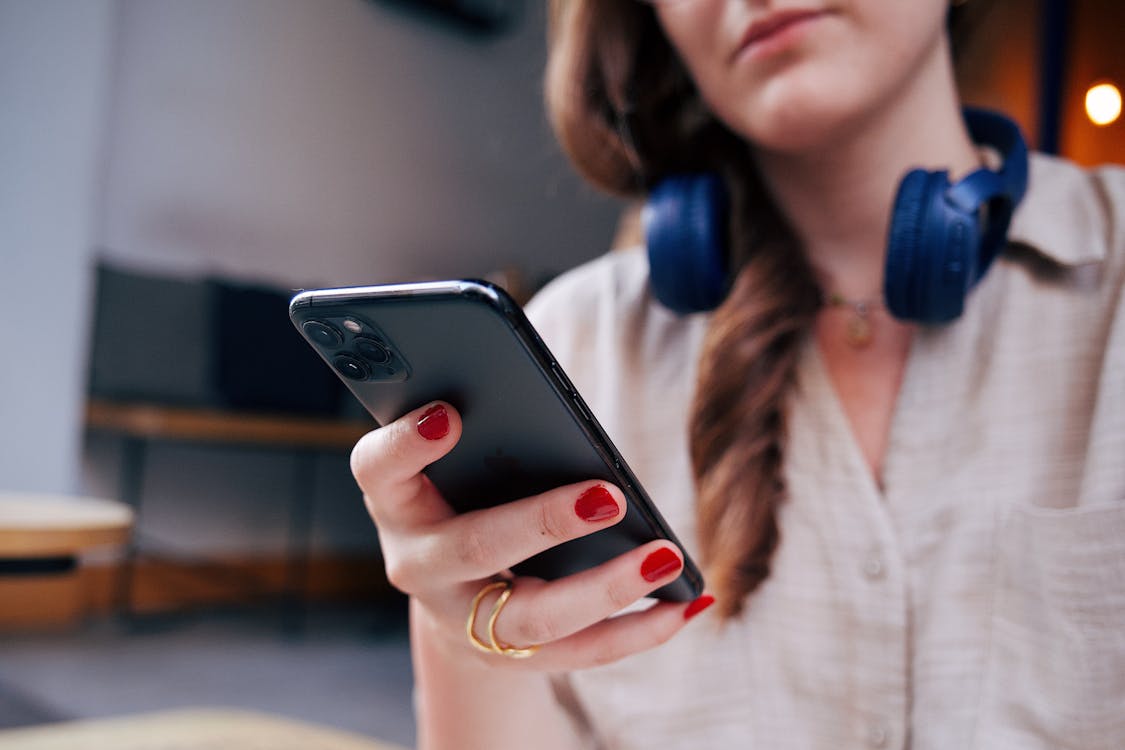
(1060, 215)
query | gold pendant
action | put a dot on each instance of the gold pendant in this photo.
(859, 332)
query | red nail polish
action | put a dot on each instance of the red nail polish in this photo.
(660, 564)
(596, 504)
(698, 606)
(434, 423)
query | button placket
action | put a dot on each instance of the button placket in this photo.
(874, 565)
(878, 735)
(876, 573)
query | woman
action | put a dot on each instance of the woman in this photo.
(914, 534)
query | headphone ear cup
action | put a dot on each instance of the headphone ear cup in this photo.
(902, 243)
(919, 246)
(943, 238)
(685, 222)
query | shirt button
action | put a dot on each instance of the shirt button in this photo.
(877, 735)
(874, 567)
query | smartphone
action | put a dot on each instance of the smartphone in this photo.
(525, 428)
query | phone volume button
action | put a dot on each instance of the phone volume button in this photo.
(581, 408)
(562, 379)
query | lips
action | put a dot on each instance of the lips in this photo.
(771, 26)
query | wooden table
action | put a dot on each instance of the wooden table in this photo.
(155, 422)
(140, 423)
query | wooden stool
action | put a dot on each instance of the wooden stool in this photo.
(41, 537)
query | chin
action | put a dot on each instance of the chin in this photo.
(801, 125)
(800, 133)
(804, 111)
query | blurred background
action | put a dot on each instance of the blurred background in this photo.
(170, 173)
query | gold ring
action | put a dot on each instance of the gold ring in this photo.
(505, 649)
(495, 645)
(474, 608)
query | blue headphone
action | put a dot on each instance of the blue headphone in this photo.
(942, 237)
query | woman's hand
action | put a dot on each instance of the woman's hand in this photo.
(443, 559)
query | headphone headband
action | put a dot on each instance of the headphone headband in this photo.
(996, 130)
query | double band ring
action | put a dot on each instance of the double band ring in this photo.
(494, 645)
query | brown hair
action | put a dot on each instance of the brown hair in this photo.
(627, 113)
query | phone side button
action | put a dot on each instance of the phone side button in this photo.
(562, 379)
(581, 408)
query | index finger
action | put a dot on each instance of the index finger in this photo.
(387, 464)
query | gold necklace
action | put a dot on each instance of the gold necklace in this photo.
(859, 332)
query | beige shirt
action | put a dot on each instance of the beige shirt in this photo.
(978, 599)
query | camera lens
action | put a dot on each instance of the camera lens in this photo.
(351, 367)
(322, 333)
(373, 350)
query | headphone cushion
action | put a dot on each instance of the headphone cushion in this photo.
(685, 232)
(932, 251)
(916, 250)
(899, 275)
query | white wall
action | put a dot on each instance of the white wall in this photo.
(335, 142)
(319, 142)
(54, 76)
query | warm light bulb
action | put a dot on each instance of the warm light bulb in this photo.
(1103, 103)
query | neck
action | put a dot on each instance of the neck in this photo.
(838, 199)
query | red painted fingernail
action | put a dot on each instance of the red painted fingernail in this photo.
(660, 564)
(698, 606)
(434, 423)
(596, 504)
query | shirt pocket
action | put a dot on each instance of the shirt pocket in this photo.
(1056, 671)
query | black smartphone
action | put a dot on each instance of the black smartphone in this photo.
(525, 428)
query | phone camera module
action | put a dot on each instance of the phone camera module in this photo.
(322, 333)
(373, 350)
(351, 367)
